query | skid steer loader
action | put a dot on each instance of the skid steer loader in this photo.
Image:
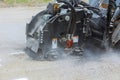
(69, 27)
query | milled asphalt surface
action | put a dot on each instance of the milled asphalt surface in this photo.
(16, 65)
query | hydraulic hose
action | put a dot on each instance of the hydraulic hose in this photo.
(72, 25)
(97, 11)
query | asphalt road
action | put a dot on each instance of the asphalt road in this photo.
(16, 65)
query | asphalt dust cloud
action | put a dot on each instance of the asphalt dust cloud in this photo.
(16, 65)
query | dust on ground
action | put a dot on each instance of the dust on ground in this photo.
(16, 65)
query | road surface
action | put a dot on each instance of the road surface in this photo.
(16, 65)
